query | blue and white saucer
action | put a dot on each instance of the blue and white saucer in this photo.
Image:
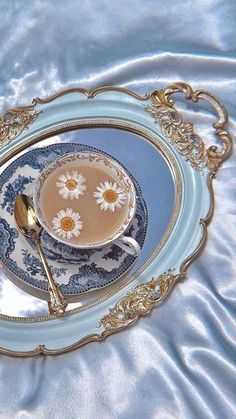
(76, 270)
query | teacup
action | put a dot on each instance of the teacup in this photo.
(86, 200)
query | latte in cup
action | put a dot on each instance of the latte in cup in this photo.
(86, 200)
(83, 204)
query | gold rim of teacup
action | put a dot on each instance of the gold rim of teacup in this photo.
(120, 174)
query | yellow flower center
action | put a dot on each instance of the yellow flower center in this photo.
(110, 196)
(67, 224)
(71, 184)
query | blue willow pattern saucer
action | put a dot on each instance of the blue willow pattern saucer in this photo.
(76, 270)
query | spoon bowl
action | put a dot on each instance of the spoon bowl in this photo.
(25, 216)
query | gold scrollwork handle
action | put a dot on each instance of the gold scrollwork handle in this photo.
(212, 156)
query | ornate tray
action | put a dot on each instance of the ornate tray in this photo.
(174, 168)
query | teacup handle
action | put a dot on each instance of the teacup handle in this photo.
(129, 245)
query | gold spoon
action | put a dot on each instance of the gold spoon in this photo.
(30, 227)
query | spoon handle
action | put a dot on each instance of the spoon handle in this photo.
(57, 302)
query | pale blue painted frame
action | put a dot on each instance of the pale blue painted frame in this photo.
(61, 334)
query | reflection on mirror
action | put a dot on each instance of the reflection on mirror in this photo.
(83, 274)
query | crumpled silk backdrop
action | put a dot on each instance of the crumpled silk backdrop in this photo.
(180, 361)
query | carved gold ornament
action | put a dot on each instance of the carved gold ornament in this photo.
(14, 121)
(139, 301)
(181, 134)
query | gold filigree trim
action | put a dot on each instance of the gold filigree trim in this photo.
(141, 304)
(14, 121)
(181, 133)
(91, 93)
(139, 301)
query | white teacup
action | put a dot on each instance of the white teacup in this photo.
(86, 200)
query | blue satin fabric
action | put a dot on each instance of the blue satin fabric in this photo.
(179, 362)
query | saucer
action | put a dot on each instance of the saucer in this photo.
(76, 271)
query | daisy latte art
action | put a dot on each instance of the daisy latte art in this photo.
(86, 200)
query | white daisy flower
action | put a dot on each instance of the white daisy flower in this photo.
(110, 196)
(67, 224)
(71, 185)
